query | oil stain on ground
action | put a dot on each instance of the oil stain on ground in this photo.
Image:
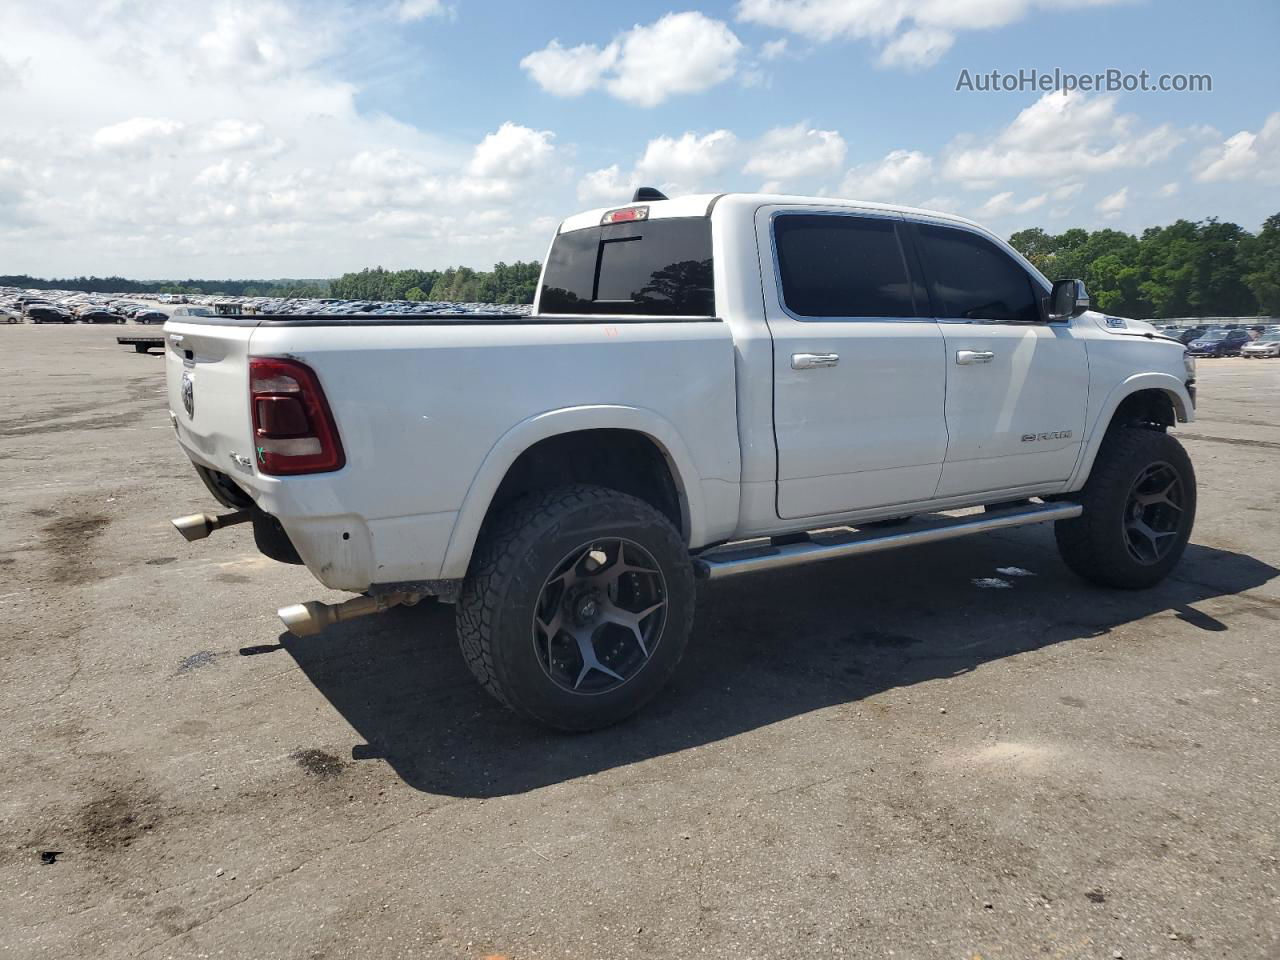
(68, 539)
(318, 763)
(197, 660)
(115, 819)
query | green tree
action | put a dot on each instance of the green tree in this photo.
(1261, 257)
(1209, 268)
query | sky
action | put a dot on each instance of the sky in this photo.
(165, 139)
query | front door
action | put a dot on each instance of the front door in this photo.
(1016, 385)
(859, 366)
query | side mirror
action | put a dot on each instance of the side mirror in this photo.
(1068, 299)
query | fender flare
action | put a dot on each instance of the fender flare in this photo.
(552, 423)
(1183, 408)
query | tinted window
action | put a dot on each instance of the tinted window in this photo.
(653, 267)
(835, 266)
(975, 279)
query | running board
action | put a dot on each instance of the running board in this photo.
(729, 562)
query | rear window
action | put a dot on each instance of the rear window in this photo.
(646, 268)
(841, 266)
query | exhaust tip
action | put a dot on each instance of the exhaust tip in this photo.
(304, 619)
(197, 526)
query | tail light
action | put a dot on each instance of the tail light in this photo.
(293, 428)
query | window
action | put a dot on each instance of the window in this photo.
(840, 266)
(974, 279)
(647, 267)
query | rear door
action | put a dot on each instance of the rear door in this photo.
(859, 367)
(1017, 386)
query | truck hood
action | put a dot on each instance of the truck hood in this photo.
(1125, 327)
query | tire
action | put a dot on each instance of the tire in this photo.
(537, 573)
(1134, 464)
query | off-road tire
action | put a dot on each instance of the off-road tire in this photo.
(518, 550)
(1093, 545)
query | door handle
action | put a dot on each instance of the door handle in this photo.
(810, 361)
(975, 356)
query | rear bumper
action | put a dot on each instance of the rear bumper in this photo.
(344, 551)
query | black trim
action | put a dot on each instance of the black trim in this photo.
(714, 200)
(915, 261)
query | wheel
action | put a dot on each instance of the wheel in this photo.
(1139, 508)
(577, 607)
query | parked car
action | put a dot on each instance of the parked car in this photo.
(565, 478)
(184, 311)
(100, 315)
(150, 316)
(1267, 345)
(23, 303)
(9, 316)
(1191, 333)
(1218, 343)
(48, 313)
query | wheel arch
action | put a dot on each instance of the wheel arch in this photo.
(1157, 399)
(621, 424)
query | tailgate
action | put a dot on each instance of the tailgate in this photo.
(207, 374)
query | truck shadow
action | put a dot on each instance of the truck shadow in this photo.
(764, 648)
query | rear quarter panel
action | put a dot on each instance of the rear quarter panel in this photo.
(431, 416)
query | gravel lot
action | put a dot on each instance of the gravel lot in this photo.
(872, 758)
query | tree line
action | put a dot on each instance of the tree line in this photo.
(231, 288)
(1208, 268)
(505, 283)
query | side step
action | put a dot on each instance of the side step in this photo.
(731, 561)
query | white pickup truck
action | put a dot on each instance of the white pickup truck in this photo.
(707, 386)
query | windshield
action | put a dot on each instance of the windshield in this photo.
(646, 267)
(1214, 335)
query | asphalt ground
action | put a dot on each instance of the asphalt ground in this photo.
(881, 757)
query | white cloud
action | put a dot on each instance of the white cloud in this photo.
(1060, 135)
(915, 49)
(1003, 205)
(785, 153)
(224, 173)
(1169, 190)
(1245, 156)
(136, 135)
(678, 53)
(687, 160)
(607, 185)
(11, 77)
(773, 49)
(911, 33)
(266, 39)
(1067, 191)
(569, 71)
(232, 134)
(889, 179)
(387, 167)
(263, 165)
(676, 165)
(511, 151)
(1114, 203)
(408, 11)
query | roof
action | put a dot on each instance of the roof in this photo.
(700, 205)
